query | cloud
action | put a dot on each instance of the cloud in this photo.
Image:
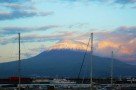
(21, 14)
(77, 25)
(37, 37)
(5, 40)
(20, 10)
(122, 51)
(18, 6)
(121, 2)
(48, 27)
(88, 1)
(15, 30)
(126, 30)
(51, 37)
(13, 1)
(120, 34)
(134, 7)
(16, 14)
(122, 41)
(125, 1)
(108, 44)
(26, 36)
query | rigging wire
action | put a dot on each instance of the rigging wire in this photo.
(83, 59)
(84, 74)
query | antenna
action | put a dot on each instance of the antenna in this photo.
(19, 64)
(91, 61)
(112, 59)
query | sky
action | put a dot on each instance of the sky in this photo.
(43, 23)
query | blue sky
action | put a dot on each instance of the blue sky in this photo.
(42, 23)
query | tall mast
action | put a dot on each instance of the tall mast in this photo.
(19, 64)
(112, 68)
(91, 61)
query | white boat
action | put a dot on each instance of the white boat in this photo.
(62, 81)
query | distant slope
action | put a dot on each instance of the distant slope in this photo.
(66, 63)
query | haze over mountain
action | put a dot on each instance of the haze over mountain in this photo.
(64, 60)
(70, 44)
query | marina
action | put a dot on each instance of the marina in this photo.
(68, 84)
(70, 87)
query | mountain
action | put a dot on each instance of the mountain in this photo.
(65, 61)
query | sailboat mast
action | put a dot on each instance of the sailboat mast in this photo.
(19, 63)
(112, 68)
(91, 61)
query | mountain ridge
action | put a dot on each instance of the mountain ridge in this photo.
(66, 63)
